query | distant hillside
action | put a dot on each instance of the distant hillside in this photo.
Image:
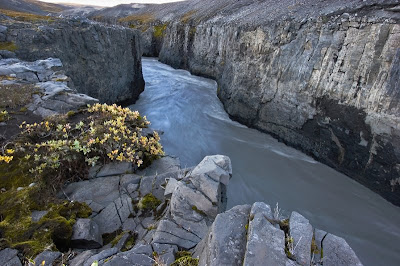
(118, 11)
(31, 6)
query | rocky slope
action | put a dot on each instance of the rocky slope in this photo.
(32, 6)
(322, 76)
(103, 62)
(157, 215)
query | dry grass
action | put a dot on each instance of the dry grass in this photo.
(22, 16)
(9, 46)
(187, 16)
(140, 18)
(16, 95)
(47, 6)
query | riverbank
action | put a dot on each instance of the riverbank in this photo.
(263, 168)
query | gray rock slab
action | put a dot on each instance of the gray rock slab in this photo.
(159, 183)
(142, 249)
(37, 215)
(130, 179)
(128, 259)
(302, 233)
(132, 188)
(108, 219)
(217, 167)
(141, 231)
(124, 207)
(113, 169)
(86, 234)
(226, 242)
(160, 166)
(163, 248)
(100, 190)
(170, 233)
(263, 208)
(146, 185)
(187, 197)
(167, 258)
(337, 252)
(48, 257)
(114, 215)
(80, 259)
(149, 222)
(169, 189)
(129, 225)
(100, 256)
(9, 257)
(265, 244)
(208, 187)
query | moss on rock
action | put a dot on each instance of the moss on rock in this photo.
(149, 202)
(159, 30)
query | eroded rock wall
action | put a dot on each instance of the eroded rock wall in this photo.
(102, 61)
(320, 76)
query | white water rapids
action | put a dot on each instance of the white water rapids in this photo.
(187, 109)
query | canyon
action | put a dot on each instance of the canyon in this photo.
(321, 76)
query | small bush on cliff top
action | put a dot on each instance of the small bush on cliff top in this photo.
(67, 145)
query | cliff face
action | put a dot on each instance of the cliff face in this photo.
(102, 61)
(327, 84)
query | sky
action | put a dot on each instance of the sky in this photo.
(109, 2)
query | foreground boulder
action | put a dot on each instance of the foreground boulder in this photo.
(251, 235)
(179, 215)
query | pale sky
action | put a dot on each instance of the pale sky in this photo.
(110, 2)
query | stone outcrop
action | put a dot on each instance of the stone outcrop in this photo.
(9, 257)
(322, 76)
(48, 85)
(102, 61)
(154, 218)
(251, 235)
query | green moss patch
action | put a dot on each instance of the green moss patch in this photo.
(53, 231)
(9, 46)
(198, 211)
(159, 30)
(130, 242)
(184, 258)
(113, 237)
(149, 202)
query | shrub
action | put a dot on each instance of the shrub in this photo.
(66, 145)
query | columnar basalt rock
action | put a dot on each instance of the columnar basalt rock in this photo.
(103, 62)
(320, 76)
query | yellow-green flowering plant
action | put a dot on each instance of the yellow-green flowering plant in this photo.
(69, 144)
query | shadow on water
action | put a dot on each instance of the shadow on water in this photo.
(187, 109)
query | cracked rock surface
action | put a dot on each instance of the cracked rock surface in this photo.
(190, 216)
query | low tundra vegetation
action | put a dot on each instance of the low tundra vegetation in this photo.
(62, 148)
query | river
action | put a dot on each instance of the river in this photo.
(195, 124)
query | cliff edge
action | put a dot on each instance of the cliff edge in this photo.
(321, 76)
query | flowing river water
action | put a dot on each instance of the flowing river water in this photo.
(195, 124)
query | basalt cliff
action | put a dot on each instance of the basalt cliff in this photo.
(102, 61)
(321, 76)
